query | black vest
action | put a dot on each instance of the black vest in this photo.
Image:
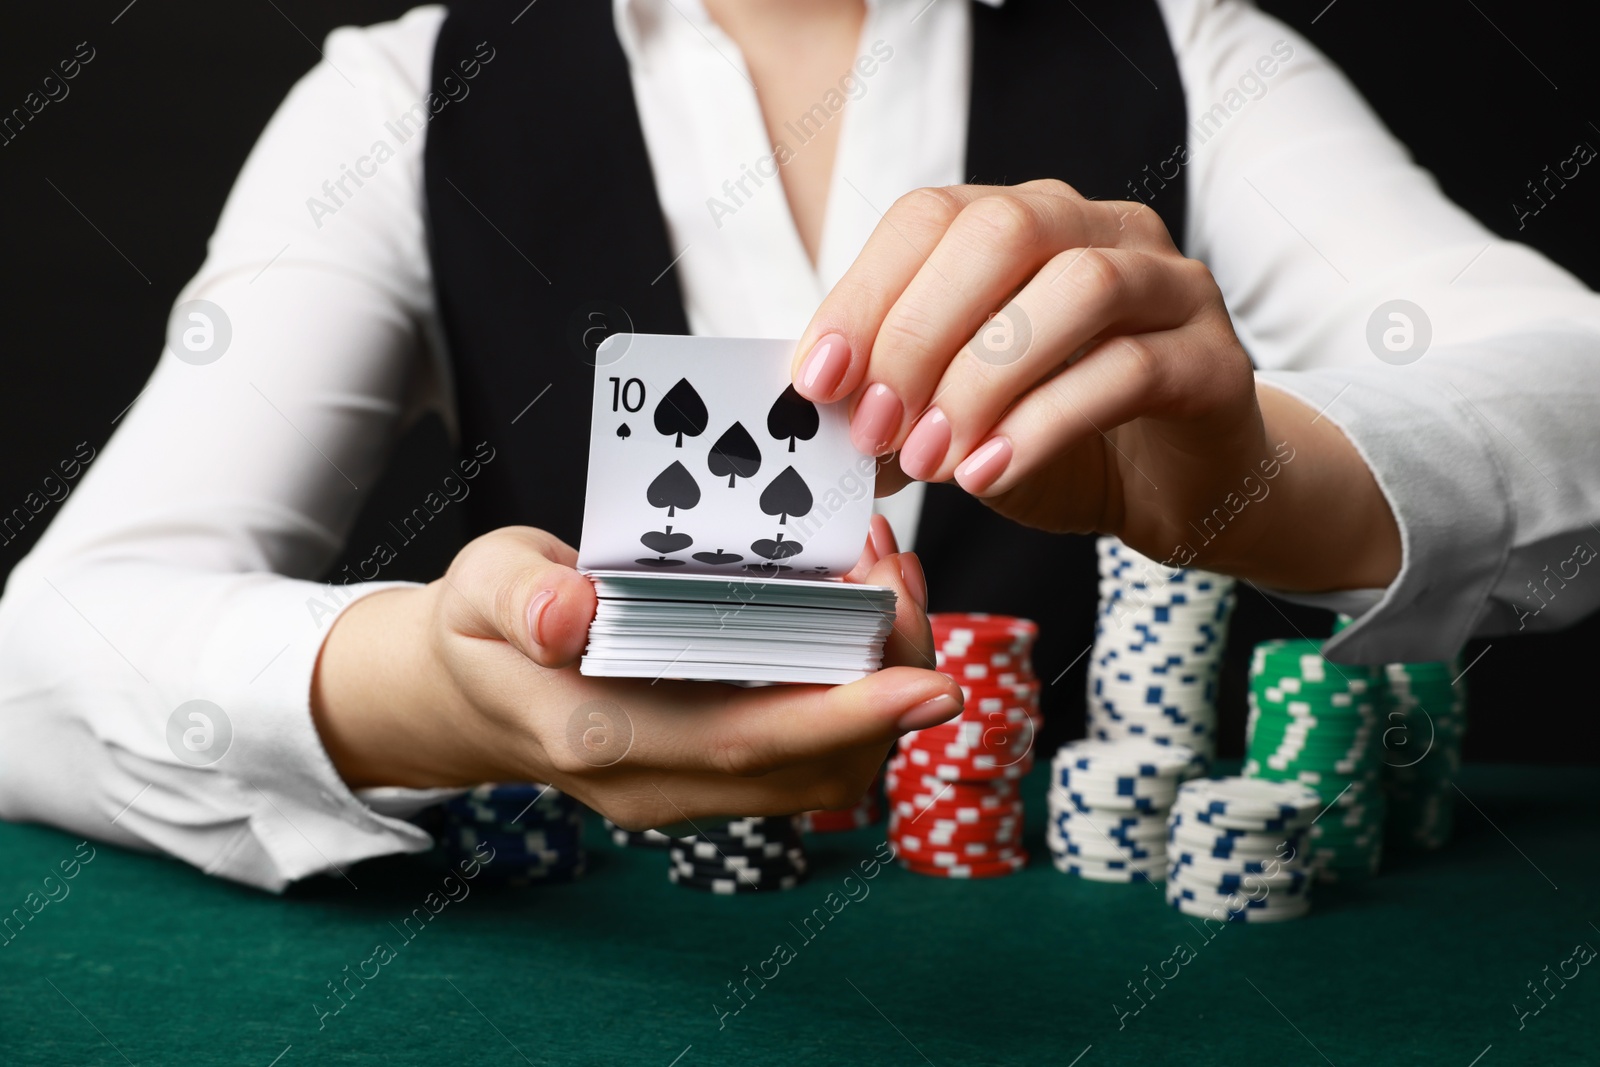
(544, 224)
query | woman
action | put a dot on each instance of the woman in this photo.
(444, 207)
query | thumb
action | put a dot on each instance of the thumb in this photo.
(783, 726)
(517, 585)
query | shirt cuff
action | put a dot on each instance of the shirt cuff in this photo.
(1433, 462)
(304, 819)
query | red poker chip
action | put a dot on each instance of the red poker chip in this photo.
(931, 822)
(979, 676)
(987, 834)
(919, 847)
(931, 759)
(1002, 660)
(983, 695)
(978, 810)
(914, 783)
(981, 625)
(972, 769)
(918, 851)
(971, 734)
(998, 726)
(972, 626)
(915, 839)
(920, 756)
(1010, 656)
(912, 786)
(904, 773)
(919, 786)
(982, 701)
(969, 870)
(922, 815)
(951, 763)
(928, 822)
(920, 752)
(934, 856)
(964, 641)
(1017, 651)
(952, 837)
(956, 813)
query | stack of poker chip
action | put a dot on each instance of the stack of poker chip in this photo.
(754, 855)
(1157, 650)
(636, 838)
(522, 833)
(1424, 722)
(867, 811)
(1236, 849)
(1318, 723)
(1108, 807)
(954, 806)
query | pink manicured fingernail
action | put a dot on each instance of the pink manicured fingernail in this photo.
(916, 581)
(882, 537)
(876, 420)
(536, 610)
(869, 554)
(824, 368)
(929, 713)
(924, 450)
(981, 469)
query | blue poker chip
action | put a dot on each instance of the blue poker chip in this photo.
(1166, 689)
(1188, 857)
(1132, 826)
(1122, 784)
(1259, 905)
(1099, 872)
(1139, 770)
(1089, 801)
(1285, 883)
(1131, 850)
(1220, 816)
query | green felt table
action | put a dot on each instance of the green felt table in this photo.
(147, 961)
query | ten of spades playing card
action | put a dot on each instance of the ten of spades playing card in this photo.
(704, 460)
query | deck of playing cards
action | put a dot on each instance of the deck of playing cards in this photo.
(722, 510)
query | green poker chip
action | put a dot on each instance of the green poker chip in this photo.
(1322, 725)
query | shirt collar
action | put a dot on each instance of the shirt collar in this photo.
(633, 17)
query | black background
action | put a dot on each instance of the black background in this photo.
(145, 147)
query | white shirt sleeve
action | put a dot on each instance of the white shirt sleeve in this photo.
(1311, 217)
(178, 567)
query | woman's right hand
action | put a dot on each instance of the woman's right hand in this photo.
(473, 679)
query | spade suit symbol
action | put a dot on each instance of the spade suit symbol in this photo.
(663, 561)
(787, 495)
(681, 412)
(623, 432)
(665, 541)
(718, 558)
(735, 455)
(792, 416)
(775, 550)
(675, 488)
